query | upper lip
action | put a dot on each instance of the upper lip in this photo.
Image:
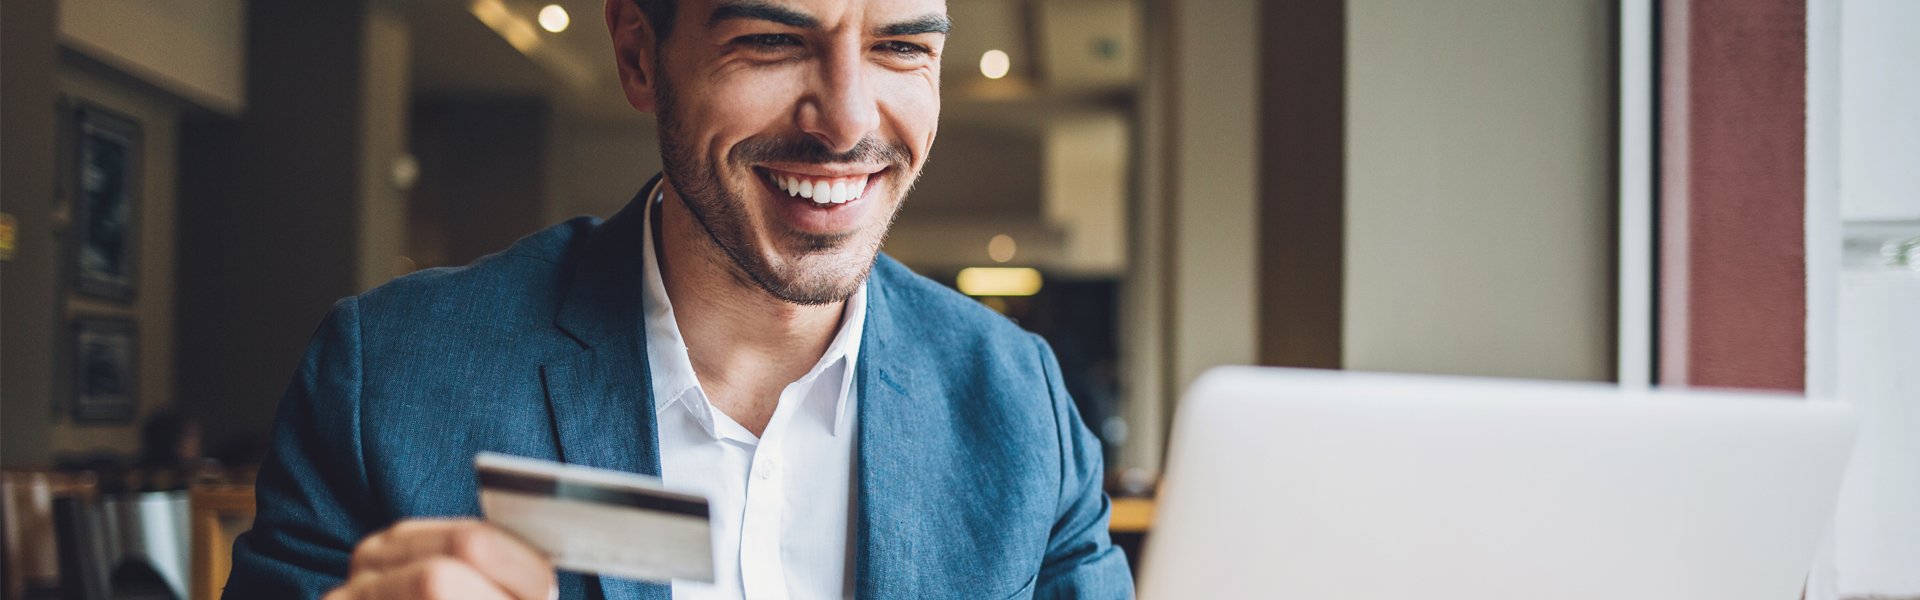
(825, 170)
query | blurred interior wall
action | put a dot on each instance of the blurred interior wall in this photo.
(980, 181)
(1479, 195)
(595, 167)
(1190, 296)
(191, 48)
(152, 307)
(28, 308)
(1425, 189)
(282, 195)
(387, 168)
(1085, 183)
(1212, 186)
(149, 64)
(482, 176)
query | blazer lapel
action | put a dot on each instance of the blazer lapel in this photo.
(885, 533)
(602, 397)
(923, 504)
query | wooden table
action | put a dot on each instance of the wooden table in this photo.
(219, 514)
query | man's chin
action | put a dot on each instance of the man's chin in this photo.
(822, 282)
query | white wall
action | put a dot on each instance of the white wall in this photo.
(193, 48)
(1213, 203)
(1877, 523)
(1879, 126)
(1863, 189)
(1478, 187)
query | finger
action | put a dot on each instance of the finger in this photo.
(503, 558)
(353, 588)
(402, 544)
(436, 578)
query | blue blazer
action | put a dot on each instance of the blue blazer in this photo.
(976, 477)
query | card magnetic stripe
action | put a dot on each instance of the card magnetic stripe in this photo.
(541, 486)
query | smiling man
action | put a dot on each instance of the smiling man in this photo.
(859, 430)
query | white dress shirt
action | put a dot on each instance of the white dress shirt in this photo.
(781, 502)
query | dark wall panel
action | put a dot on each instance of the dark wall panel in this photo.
(269, 214)
(1302, 182)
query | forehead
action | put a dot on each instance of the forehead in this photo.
(827, 12)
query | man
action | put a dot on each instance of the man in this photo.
(860, 430)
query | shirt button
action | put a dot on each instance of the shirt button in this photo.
(766, 470)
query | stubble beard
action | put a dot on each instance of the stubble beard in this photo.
(823, 269)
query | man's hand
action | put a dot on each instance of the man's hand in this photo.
(446, 559)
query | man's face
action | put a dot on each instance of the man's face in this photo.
(793, 129)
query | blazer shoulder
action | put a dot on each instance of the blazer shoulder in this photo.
(514, 288)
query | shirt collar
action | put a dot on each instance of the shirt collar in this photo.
(674, 380)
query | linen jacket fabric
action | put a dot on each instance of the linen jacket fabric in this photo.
(975, 476)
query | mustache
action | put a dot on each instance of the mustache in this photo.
(804, 148)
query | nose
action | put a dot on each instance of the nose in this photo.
(841, 110)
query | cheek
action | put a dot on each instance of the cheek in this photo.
(911, 106)
(752, 101)
(741, 106)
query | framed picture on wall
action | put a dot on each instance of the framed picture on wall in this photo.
(106, 370)
(105, 204)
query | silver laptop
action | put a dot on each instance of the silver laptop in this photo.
(1302, 484)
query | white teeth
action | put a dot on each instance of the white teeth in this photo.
(822, 192)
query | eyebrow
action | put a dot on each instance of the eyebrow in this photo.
(761, 10)
(930, 23)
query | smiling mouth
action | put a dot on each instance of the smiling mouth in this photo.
(821, 190)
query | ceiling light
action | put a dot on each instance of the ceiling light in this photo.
(998, 281)
(554, 18)
(995, 64)
(1001, 248)
(515, 29)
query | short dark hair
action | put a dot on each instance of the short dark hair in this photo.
(659, 14)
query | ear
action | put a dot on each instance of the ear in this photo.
(634, 49)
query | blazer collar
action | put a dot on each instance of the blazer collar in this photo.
(602, 302)
(602, 397)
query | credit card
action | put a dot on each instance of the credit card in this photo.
(598, 521)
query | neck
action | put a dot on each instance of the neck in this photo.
(743, 341)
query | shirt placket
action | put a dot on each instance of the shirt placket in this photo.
(762, 571)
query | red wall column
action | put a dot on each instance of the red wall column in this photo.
(1732, 194)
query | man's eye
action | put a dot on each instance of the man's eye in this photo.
(905, 49)
(767, 41)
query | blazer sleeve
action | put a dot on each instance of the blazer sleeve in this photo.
(1081, 560)
(312, 499)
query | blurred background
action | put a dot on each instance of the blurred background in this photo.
(1707, 192)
